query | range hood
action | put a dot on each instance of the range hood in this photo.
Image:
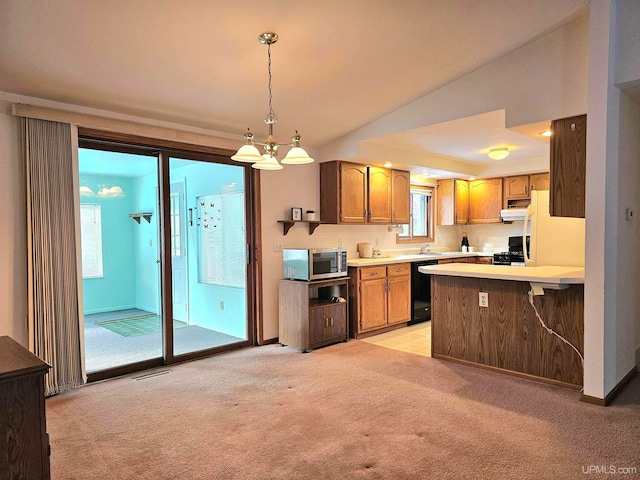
(513, 214)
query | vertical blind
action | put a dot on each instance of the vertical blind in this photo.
(52, 261)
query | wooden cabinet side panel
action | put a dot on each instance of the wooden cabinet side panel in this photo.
(329, 192)
(22, 444)
(400, 196)
(293, 308)
(379, 195)
(567, 188)
(353, 193)
(461, 202)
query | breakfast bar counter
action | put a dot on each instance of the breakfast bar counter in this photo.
(485, 315)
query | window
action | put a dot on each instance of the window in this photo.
(91, 235)
(421, 227)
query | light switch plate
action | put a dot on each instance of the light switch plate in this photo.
(277, 246)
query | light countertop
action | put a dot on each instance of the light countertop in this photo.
(386, 260)
(546, 274)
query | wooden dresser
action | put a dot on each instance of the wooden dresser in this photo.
(24, 443)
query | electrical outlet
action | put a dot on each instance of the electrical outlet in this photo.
(339, 243)
(377, 241)
(277, 246)
(483, 299)
(221, 304)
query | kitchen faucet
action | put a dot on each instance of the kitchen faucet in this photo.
(425, 246)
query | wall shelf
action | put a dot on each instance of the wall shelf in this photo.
(138, 216)
(287, 224)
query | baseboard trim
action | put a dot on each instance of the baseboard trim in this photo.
(610, 397)
(528, 376)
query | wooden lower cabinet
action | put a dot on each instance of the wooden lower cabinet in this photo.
(308, 318)
(24, 442)
(380, 297)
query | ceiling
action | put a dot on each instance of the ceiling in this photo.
(338, 65)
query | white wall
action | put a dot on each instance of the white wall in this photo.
(542, 80)
(13, 253)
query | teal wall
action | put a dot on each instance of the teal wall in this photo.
(115, 290)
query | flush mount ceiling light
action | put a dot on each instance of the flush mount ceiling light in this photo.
(546, 133)
(249, 153)
(498, 153)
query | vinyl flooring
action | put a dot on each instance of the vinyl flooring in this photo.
(414, 339)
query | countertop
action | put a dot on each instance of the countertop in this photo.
(386, 260)
(546, 274)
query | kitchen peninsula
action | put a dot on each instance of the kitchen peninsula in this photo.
(481, 315)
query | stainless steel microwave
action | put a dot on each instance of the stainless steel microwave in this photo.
(314, 263)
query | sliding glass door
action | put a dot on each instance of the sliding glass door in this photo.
(145, 233)
(208, 254)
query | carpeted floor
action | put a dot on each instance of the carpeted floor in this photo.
(348, 411)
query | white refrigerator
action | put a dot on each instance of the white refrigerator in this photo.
(554, 240)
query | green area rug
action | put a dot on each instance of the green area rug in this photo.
(132, 327)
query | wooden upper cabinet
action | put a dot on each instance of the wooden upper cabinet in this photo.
(400, 197)
(355, 193)
(485, 200)
(516, 187)
(379, 197)
(539, 181)
(343, 192)
(453, 202)
(568, 162)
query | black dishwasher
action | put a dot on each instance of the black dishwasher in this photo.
(420, 293)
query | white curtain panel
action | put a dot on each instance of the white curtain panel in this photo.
(52, 263)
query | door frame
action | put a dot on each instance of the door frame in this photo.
(126, 143)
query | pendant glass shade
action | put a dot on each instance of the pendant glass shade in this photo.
(247, 153)
(297, 156)
(267, 163)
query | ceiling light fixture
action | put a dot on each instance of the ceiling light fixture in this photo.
(388, 165)
(546, 133)
(249, 153)
(498, 153)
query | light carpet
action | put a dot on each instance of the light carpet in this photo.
(348, 411)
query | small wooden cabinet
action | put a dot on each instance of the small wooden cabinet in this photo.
(568, 165)
(24, 442)
(380, 297)
(517, 189)
(485, 200)
(354, 193)
(453, 202)
(308, 317)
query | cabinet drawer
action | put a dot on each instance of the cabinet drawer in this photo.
(369, 273)
(399, 269)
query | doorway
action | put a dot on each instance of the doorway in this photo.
(154, 222)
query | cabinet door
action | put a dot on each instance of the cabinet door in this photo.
(353, 193)
(516, 187)
(568, 163)
(399, 293)
(337, 315)
(539, 181)
(444, 196)
(373, 304)
(485, 200)
(318, 324)
(400, 196)
(379, 195)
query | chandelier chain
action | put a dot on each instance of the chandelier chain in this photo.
(272, 115)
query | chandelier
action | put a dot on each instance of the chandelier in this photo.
(267, 161)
